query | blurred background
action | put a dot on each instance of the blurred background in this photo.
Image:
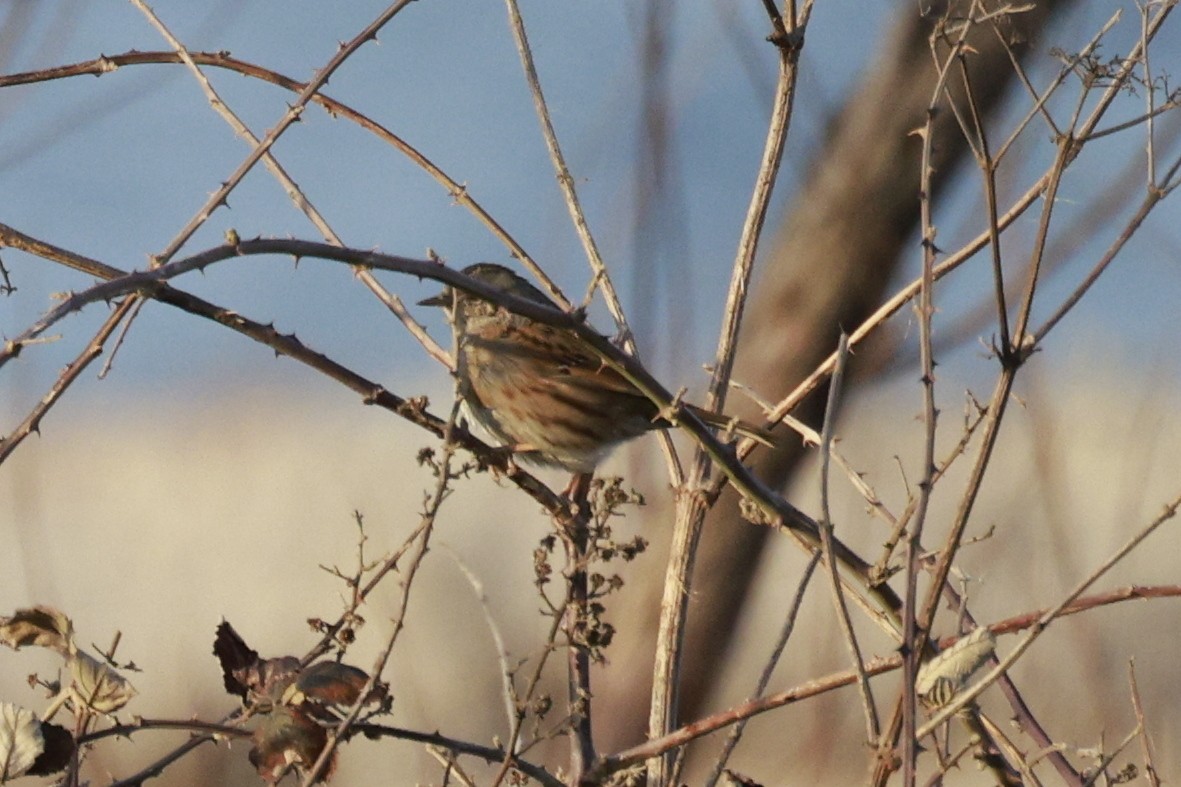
(203, 478)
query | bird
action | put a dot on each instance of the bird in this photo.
(541, 389)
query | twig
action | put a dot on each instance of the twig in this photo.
(451, 766)
(575, 536)
(872, 726)
(600, 276)
(106, 64)
(1045, 620)
(69, 375)
(914, 638)
(157, 768)
(565, 182)
(523, 702)
(690, 511)
(292, 189)
(785, 632)
(141, 724)
(1151, 200)
(992, 732)
(485, 753)
(937, 778)
(371, 393)
(1100, 770)
(1149, 97)
(856, 479)
(987, 166)
(826, 683)
(1150, 772)
(1039, 105)
(494, 629)
(654, 748)
(971, 424)
(426, 528)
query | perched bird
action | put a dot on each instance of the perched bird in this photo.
(541, 389)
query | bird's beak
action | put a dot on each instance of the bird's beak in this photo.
(442, 299)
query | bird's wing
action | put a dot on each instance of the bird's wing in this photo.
(554, 354)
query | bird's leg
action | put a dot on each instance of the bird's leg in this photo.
(576, 491)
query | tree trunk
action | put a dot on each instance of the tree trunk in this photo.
(840, 244)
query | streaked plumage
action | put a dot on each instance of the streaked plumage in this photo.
(541, 389)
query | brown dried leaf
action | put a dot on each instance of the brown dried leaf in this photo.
(288, 737)
(736, 779)
(235, 657)
(333, 683)
(42, 626)
(245, 674)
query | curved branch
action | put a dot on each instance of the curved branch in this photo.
(777, 510)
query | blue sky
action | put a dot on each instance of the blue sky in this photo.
(113, 167)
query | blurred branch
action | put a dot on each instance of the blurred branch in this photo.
(691, 510)
(576, 542)
(868, 705)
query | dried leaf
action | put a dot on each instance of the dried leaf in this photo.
(941, 678)
(246, 675)
(288, 737)
(235, 657)
(21, 741)
(333, 683)
(736, 779)
(59, 749)
(273, 677)
(96, 686)
(42, 626)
